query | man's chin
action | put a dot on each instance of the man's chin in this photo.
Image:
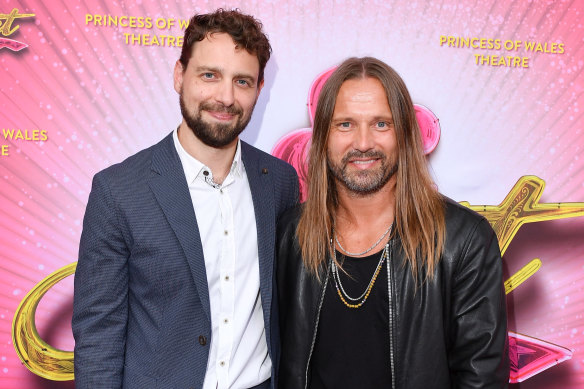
(224, 144)
(214, 140)
(364, 183)
(218, 143)
(360, 175)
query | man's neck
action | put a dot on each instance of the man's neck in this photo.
(219, 160)
(365, 211)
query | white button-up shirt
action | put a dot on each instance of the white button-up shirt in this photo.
(238, 355)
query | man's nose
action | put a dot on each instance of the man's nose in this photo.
(363, 139)
(225, 93)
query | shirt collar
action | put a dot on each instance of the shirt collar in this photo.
(193, 167)
(237, 164)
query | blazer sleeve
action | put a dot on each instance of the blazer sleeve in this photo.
(100, 303)
(479, 357)
(294, 191)
(287, 188)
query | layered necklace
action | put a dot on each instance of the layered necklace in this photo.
(367, 250)
(357, 302)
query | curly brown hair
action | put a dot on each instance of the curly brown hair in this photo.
(245, 30)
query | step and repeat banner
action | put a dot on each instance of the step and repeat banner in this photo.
(499, 90)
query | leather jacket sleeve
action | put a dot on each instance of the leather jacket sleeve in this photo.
(297, 298)
(479, 355)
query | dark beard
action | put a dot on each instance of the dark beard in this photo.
(214, 135)
(363, 182)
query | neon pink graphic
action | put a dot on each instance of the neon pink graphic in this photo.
(429, 128)
(12, 44)
(314, 92)
(530, 356)
(293, 148)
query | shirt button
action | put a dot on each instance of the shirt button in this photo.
(225, 321)
(205, 173)
(222, 363)
(202, 340)
(226, 232)
(226, 278)
(221, 191)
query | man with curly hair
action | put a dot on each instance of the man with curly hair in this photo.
(174, 285)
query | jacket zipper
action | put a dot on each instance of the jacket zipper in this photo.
(390, 298)
(316, 324)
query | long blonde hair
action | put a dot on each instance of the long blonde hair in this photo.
(419, 213)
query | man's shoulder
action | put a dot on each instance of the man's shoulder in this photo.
(287, 225)
(260, 155)
(462, 221)
(134, 165)
(456, 212)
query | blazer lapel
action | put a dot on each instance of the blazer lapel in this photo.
(261, 186)
(170, 187)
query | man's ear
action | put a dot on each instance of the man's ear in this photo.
(260, 86)
(178, 76)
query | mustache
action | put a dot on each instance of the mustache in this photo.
(360, 154)
(218, 107)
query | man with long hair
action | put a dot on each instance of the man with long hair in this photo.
(382, 281)
(173, 288)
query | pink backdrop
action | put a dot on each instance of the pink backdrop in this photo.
(99, 98)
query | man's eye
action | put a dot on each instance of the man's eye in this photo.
(345, 125)
(208, 76)
(242, 82)
(383, 125)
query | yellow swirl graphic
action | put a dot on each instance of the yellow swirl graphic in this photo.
(38, 356)
(522, 206)
(518, 278)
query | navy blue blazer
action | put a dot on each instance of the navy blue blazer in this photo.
(141, 313)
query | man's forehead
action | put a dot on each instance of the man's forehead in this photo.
(358, 92)
(363, 96)
(362, 89)
(220, 37)
(219, 40)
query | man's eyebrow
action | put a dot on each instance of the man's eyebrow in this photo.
(347, 118)
(208, 69)
(246, 76)
(388, 118)
(342, 119)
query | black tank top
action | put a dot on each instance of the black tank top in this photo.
(352, 344)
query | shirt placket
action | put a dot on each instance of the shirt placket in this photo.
(227, 276)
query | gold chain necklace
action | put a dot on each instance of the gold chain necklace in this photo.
(357, 302)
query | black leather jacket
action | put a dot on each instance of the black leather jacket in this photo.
(450, 332)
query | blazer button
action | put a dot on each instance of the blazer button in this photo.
(202, 340)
